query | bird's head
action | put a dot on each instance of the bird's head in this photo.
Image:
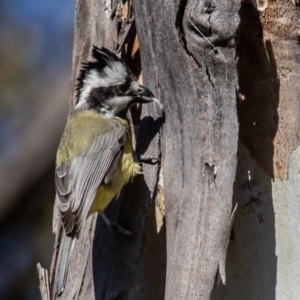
(108, 86)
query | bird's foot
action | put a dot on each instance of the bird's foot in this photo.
(114, 226)
(147, 160)
(119, 229)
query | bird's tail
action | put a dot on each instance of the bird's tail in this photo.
(62, 264)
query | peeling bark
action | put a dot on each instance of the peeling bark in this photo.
(44, 283)
(262, 260)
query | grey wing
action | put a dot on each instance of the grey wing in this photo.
(77, 182)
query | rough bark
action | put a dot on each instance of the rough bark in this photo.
(263, 260)
(188, 60)
(188, 54)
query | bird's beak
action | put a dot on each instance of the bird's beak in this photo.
(143, 95)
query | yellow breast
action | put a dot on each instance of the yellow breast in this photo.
(126, 169)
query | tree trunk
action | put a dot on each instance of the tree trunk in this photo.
(202, 59)
(188, 55)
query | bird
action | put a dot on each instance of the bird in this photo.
(95, 157)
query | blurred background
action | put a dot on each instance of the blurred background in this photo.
(36, 38)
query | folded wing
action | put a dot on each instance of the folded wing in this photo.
(77, 181)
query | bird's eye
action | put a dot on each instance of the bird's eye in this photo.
(122, 88)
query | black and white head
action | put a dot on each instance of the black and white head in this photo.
(108, 86)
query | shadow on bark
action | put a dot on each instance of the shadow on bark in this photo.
(116, 258)
(258, 90)
(152, 272)
(149, 129)
(251, 262)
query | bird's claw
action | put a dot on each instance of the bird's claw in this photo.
(118, 229)
(114, 226)
(147, 160)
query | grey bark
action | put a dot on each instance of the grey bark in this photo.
(188, 55)
(188, 59)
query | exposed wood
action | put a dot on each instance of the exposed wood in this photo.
(263, 260)
(188, 56)
(268, 97)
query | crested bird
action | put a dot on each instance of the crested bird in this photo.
(95, 158)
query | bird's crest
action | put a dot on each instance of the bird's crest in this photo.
(106, 70)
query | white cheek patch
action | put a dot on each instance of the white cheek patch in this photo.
(116, 104)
